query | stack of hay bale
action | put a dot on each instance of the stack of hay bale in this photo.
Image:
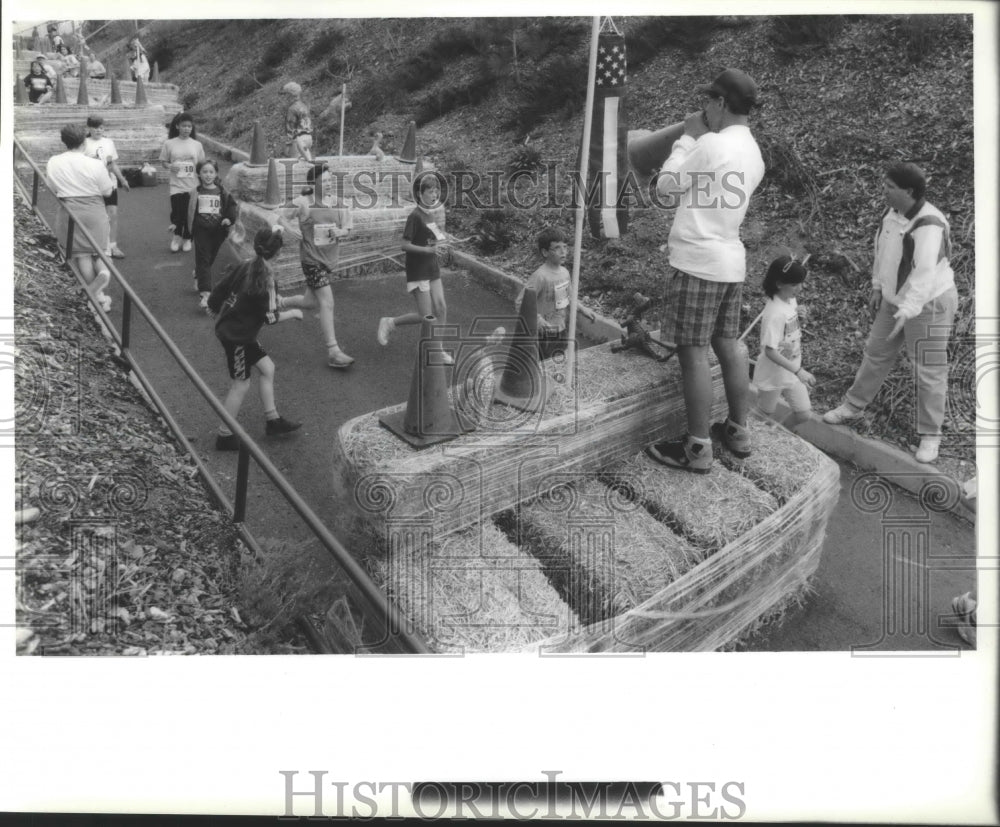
(377, 190)
(646, 557)
(138, 132)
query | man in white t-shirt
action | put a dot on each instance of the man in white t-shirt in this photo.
(712, 171)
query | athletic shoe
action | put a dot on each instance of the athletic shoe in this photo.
(203, 303)
(104, 300)
(336, 358)
(186, 246)
(281, 426)
(735, 437)
(684, 454)
(928, 450)
(175, 244)
(447, 358)
(116, 252)
(841, 414)
(385, 327)
(964, 606)
(101, 280)
(227, 442)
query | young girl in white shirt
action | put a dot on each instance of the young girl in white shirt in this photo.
(779, 372)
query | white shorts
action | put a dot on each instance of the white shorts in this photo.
(423, 286)
(797, 397)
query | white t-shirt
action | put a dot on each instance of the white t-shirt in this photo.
(103, 149)
(74, 175)
(779, 328)
(713, 178)
(182, 155)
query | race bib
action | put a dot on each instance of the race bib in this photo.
(433, 227)
(562, 295)
(209, 204)
(185, 169)
(325, 234)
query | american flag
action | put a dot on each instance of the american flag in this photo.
(607, 215)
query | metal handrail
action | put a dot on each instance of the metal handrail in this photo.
(395, 626)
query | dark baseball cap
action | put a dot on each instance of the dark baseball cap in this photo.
(735, 86)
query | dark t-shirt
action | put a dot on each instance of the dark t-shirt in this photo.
(419, 266)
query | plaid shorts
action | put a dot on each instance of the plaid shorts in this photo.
(695, 311)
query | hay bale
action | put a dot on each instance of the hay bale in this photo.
(471, 592)
(601, 550)
(710, 510)
(780, 461)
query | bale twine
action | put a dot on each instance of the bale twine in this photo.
(472, 592)
(603, 553)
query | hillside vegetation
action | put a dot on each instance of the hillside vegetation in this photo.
(843, 97)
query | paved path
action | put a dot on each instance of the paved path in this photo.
(848, 609)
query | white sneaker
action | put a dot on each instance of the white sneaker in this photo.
(446, 358)
(385, 327)
(204, 301)
(928, 450)
(104, 300)
(175, 244)
(101, 280)
(841, 414)
(186, 246)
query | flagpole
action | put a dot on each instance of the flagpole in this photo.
(343, 101)
(588, 123)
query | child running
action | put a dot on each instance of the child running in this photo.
(103, 149)
(551, 282)
(181, 153)
(423, 275)
(243, 302)
(323, 222)
(779, 371)
(211, 212)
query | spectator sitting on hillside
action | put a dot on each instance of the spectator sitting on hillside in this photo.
(95, 69)
(38, 83)
(298, 123)
(71, 64)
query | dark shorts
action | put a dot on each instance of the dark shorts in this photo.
(316, 275)
(695, 311)
(549, 344)
(112, 200)
(241, 358)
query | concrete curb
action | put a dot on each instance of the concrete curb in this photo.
(897, 466)
(601, 330)
(226, 152)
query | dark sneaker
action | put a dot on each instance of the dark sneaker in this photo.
(281, 426)
(227, 442)
(682, 453)
(735, 437)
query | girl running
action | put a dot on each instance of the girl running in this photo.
(181, 153)
(423, 275)
(103, 149)
(323, 222)
(211, 212)
(242, 303)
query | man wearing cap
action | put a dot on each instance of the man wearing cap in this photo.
(913, 293)
(712, 171)
(298, 122)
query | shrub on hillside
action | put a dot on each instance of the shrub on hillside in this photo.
(495, 230)
(325, 43)
(557, 87)
(793, 35)
(525, 158)
(279, 50)
(691, 34)
(242, 87)
(442, 101)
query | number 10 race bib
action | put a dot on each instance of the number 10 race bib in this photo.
(209, 204)
(185, 169)
(325, 234)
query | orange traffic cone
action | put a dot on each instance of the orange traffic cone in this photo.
(523, 384)
(258, 150)
(409, 153)
(272, 195)
(155, 76)
(60, 90)
(82, 99)
(429, 417)
(116, 92)
(20, 93)
(140, 93)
